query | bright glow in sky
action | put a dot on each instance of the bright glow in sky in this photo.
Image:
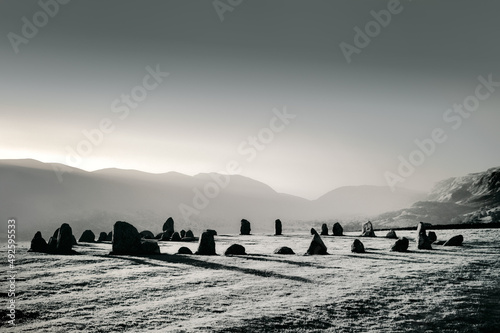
(225, 78)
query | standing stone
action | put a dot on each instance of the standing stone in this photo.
(190, 235)
(110, 237)
(455, 241)
(324, 230)
(278, 228)
(183, 233)
(368, 230)
(338, 230)
(317, 247)
(284, 250)
(432, 236)
(102, 237)
(168, 226)
(38, 244)
(126, 239)
(245, 227)
(424, 243)
(235, 250)
(206, 245)
(357, 247)
(65, 239)
(401, 245)
(175, 237)
(87, 237)
(391, 234)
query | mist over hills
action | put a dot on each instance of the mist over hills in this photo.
(474, 198)
(42, 196)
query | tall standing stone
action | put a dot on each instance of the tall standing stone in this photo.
(423, 241)
(168, 226)
(64, 239)
(206, 246)
(368, 230)
(338, 230)
(245, 227)
(278, 227)
(126, 239)
(324, 230)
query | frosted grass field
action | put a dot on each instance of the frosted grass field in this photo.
(448, 289)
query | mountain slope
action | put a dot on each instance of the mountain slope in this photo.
(472, 198)
(41, 199)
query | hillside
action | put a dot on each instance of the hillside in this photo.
(474, 198)
(42, 199)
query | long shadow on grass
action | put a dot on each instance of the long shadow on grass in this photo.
(189, 260)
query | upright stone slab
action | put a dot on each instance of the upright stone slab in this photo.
(324, 230)
(206, 246)
(278, 228)
(65, 239)
(168, 226)
(126, 239)
(423, 241)
(338, 230)
(245, 227)
(368, 230)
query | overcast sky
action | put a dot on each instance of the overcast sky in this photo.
(225, 78)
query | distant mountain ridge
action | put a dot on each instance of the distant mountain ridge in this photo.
(33, 192)
(474, 198)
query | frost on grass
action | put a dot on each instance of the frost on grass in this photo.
(445, 290)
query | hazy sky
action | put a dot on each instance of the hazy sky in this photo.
(225, 78)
